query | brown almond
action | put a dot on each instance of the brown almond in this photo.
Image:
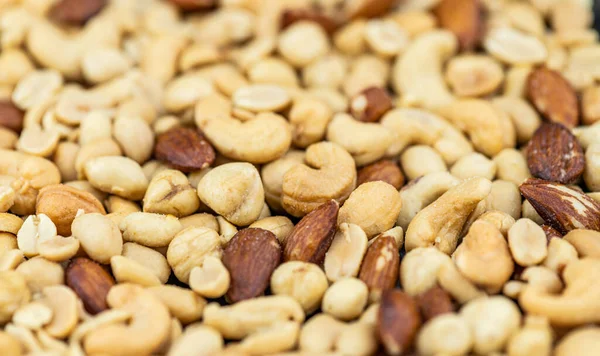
(194, 5)
(90, 282)
(291, 16)
(380, 266)
(554, 154)
(551, 233)
(61, 203)
(370, 104)
(368, 8)
(251, 256)
(384, 170)
(553, 96)
(433, 302)
(398, 321)
(312, 236)
(11, 117)
(185, 149)
(464, 18)
(76, 12)
(561, 207)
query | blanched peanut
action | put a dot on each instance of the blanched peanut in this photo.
(280, 226)
(117, 175)
(127, 270)
(189, 248)
(149, 258)
(148, 229)
(311, 35)
(420, 160)
(100, 238)
(183, 304)
(115, 204)
(345, 299)
(512, 166)
(456, 340)
(345, 255)
(560, 254)
(211, 279)
(474, 165)
(303, 281)
(40, 273)
(504, 196)
(527, 242)
(135, 137)
(14, 293)
(197, 337)
(474, 75)
(309, 118)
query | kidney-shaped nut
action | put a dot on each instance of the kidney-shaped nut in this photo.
(272, 176)
(344, 257)
(333, 177)
(303, 281)
(457, 338)
(148, 229)
(235, 191)
(346, 298)
(211, 279)
(527, 242)
(14, 293)
(474, 75)
(514, 47)
(586, 242)
(189, 248)
(440, 223)
(170, 192)
(117, 175)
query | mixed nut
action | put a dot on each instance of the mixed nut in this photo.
(299, 177)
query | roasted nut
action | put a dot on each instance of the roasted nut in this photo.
(522, 114)
(40, 272)
(15, 293)
(184, 149)
(117, 175)
(309, 118)
(303, 281)
(63, 302)
(148, 229)
(211, 279)
(474, 165)
(90, 282)
(585, 242)
(189, 248)
(344, 256)
(370, 104)
(511, 166)
(11, 117)
(463, 18)
(384, 170)
(76, 12)
(170, 192)
(459, 339)
(527, 242)
(420, 160)
(151, 259)
(474, 75)
(299, 32)
(560, 254)
(553, 97)
(514, 47)
(345, 299)
(281, 226)
(379, 269)
(32, 316)
(183, 304)
(398, 321)
(272, 176)
(434, 302)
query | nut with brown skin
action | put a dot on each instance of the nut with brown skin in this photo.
(553, 96)
(250, 257)
(194, 5)
(435, 301)
(398, 321)
(290, 16)
(380, 267)
(11, 116)
(312, 236)
(368, 8)
(384, 170)
(554, 154)
(185, 149)
(90, 282)
(370, 104)
(551, 232)
(76, 12)
(464, 18)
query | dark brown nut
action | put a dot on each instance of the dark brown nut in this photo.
(90, 282)
(464, 18)
(11, 116)
(194, 5)
(384, 170)
(185, 149)
(433, 302)
(291, 16)
(561, 207)
(76, 12)
(553, 96)
(398, 321)
(370, 104)
(312, 236)
(380, 266)
(368, 8)
(551, 233)
(554, 154)
(250, 257)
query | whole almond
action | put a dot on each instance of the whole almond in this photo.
(370, 104)
(398, 321)
(433, 302)
(561, 207)
(551, 233)
(185, 149)
(90, 282)
(11, 117)
(251, 256)
(76, 12)
(554, 154)
(380, 266)
(61, 203)
(368, 8)
(464, 18)
(291, 16)
(384, 170)
(193, 5)
(312, 236)
(553, 96)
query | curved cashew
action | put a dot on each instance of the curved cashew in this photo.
(584, 341)
(543, 278)
(272, 176)
(415, 126)
(366, 142)
(147, 330)
(440, 223)
(586, 242)
(418, 72)
(333, 177)
(490, 129)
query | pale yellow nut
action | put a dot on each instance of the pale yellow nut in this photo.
(36, 228)
(197, 337)
(345, 255)
(99, 237)
(474, 75)
(527, 242)
(101, 64)
(420, 160)
(512, 166)
(8, 139)
(33, 315)
(327, 72)
(504, 197)
(280, 226)
(127, 270)
(36, 87)
(456, 284)
(200, 220)
(14, 292)
(514, 47)
(582, 341)
(303, 281)
(226, 229)
(64, 158)
(385, 37)
(560, 254)
(523, 116)
(135, 137)
(320, 333)
(261, 97)
(170, 192)
(115, 204)
(94, 149)
(159, 60)
(149, 258)
(345, 299)
(40, 273)
(183, 92)
(457, 338)
(63, 302)
(366, 71)
(211, 279)
(58, 249)
(117, 175)
(309, 118)
(14, 65)
(189, 248)
(272, 176)
(525, 17)
(273, 71)
(37, 141)
(474, 165)
(12, 223)
(350, 38)
(313, 39)
(183, 304)
(148, 229)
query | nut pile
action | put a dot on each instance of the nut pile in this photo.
(299, 177)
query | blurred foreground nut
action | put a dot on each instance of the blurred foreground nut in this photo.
(189, 248)
(100, 238)
(384, 170)
(10, 345)
(474, 75)
(583, 341)
(61, 203)
(250, 257)
(370, 104)
(33, 315)
(553, 96)
(303, 281)
(76, 12)
(14, 293)
(434, 302)
(185, 149)
(380, 267)
(398, 321)
(40, 272)
(117, 175)
(586, 242)
(534, 338)
(301, 32)
(148, 229)
(291, 16)
(368, 8)
(447, 334)
(346, 298)
(90, 282)
(464, 18)
(11, 117)
(64, 304)
(170, 192)
(211, 279)
(183, 304)
(197, 337)
(320, 333)
(193, 5)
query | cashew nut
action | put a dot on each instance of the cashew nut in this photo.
(586, 242)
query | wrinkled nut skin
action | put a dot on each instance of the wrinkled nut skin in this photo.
(250, 257)
(554, 154)
(384, 170)
(370, 104)
(380, 266)
(435, 301)
(561, 207)
(76, 12)
(90, 282)
(464, 19)
(11, 116)
(312, 236)
(398, 321)
(291, 16)
(61, 203)
(553, 96)
(185, 149)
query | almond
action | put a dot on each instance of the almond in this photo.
(370, 104)
(185, 149)
(553, 96)
(561, 207)
(76, 12)
(398, 321)
(384, 170)
(291, 16)
(551, 233)
(312, 236)
(380, 266)
(251, 256)
(433, 302)
(193, 5)
(90, 282)
(61, 203)
(464, 18)
(11, 117)
(368, 8)
(554, 154)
